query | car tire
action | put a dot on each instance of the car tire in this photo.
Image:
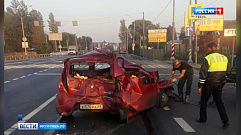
(123, 115)
(163, 99)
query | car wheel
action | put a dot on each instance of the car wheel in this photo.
(124, 115)
(163, 99)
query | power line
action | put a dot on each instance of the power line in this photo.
(219, 2)
(162, 11)
(211, 2)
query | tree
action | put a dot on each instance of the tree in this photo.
(52, 23)
(169, 33)
(53, 28)
(139, 30)
(12, 26)
(37, 32)
(122, 31)
(182, 34)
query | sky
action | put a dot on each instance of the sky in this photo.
(100, 19)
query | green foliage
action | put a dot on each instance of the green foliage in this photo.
(122, 31)
(43, 48)
(13, 33)
(84, 41)
(52, 23)
(182, 34)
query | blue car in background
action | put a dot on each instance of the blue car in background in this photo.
(81, 52)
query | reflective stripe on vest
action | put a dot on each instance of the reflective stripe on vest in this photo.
(217, 62)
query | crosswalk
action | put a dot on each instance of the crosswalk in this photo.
(100, 66)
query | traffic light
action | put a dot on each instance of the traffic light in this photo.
(197, 28)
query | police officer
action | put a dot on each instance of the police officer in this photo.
(211, 81)
(186, 75)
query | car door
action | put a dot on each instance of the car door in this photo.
(149, 91)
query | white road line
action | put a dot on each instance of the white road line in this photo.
(29, 74)
(22, 76)
(15, 79)
(185, 126)
(40, 71)
(6, 81)
(166, 108)
(35, 73)
(151, 66)
(48, 74)
(15, 126)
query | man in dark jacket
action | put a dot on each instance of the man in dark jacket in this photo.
(186, 75)
(212, 78)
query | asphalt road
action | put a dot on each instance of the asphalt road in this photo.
(31, 85)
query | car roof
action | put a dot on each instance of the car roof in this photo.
(96, 55)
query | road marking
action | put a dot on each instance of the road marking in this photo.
(15, 126)
(186, 127)
(48, 74)
(40, 71)
(6, 81)
(15, 79)
(35, 73)
(29, 74)
(151, 66)
(166, 108)
(22, 76)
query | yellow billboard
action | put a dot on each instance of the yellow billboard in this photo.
(157, 35)
(205, 24)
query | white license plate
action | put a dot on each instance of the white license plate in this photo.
(91, 106)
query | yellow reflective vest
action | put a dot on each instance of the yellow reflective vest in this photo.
(216, 62)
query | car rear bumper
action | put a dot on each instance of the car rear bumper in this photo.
(66, 103)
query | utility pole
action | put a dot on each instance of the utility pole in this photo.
(173, 30)
(195, 42)
(127, 41)
(143, 40)
(190, 40)
(24, 38)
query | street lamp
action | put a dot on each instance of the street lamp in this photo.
(24, 37)
(133, 42)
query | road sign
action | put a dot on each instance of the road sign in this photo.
(192, 16)
(189, 31)
(24, 39)
(24, 44)
(197, 28)
(229, 32)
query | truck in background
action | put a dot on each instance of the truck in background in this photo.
(72, 50)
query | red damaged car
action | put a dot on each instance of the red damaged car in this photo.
(99, 81)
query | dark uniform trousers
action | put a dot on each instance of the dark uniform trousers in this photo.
(214, 89)
(181, 83)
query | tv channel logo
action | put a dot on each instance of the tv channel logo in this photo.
(42, 126)
(20, 117)
(208, 11)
